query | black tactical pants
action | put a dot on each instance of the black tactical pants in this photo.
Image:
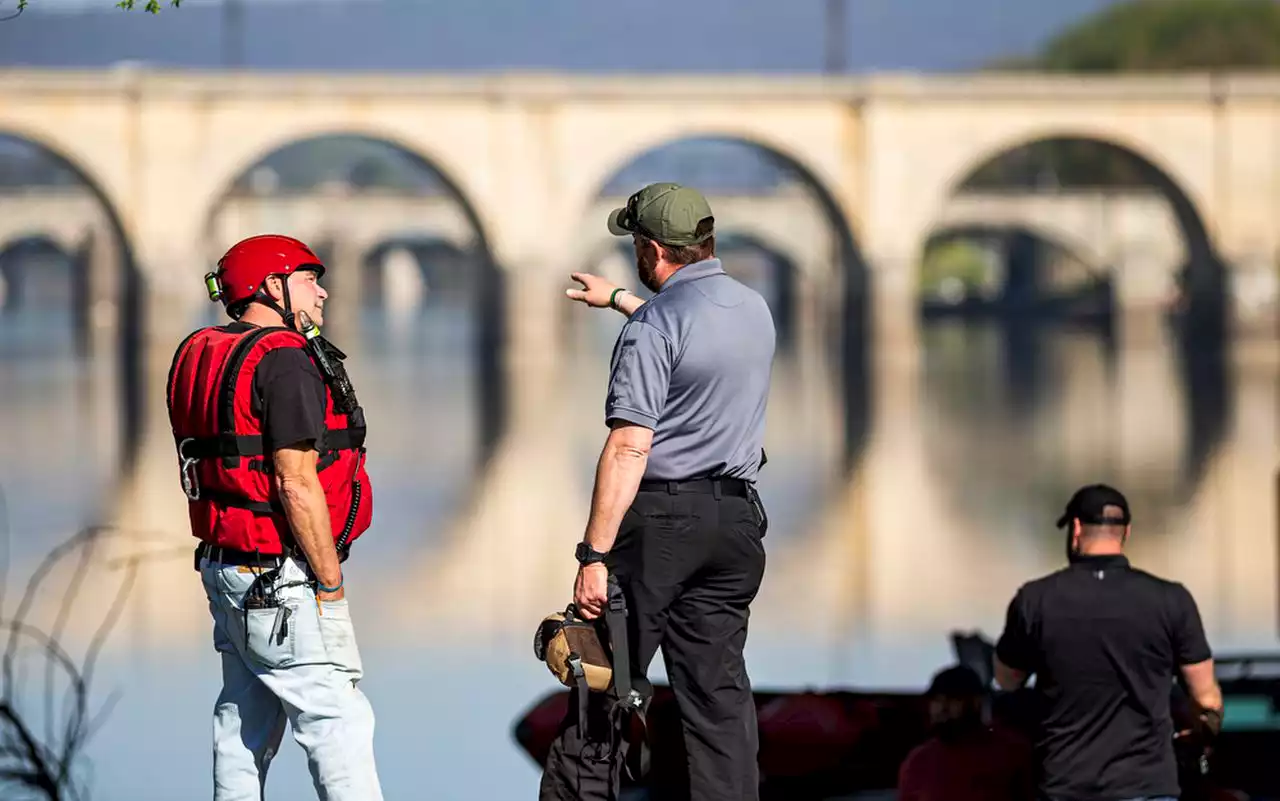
(690, 563)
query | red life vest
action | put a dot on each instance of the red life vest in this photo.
(232, 499)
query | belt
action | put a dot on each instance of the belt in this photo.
(705, 486)
(235, 558)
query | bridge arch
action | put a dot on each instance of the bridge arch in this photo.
(429, 163)
(1201, 276)
(13, 279)
(269, 134)
(1183, 194)
(1089, 253)
(329, 234)
(41, 238)
(125, 288)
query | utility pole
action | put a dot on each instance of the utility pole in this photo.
(232, 34)
(837, 36)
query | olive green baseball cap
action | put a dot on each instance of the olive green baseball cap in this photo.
(666, 212)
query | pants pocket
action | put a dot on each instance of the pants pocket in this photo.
(339, 637)
(269, 635)
(757, 510)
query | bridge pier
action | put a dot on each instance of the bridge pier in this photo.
(105, 281)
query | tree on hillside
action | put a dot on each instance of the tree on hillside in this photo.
(1162, 35)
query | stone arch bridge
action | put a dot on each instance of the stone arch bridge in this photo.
(528, 154)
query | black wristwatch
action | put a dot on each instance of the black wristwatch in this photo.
(586, 555)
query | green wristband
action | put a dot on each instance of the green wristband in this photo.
(613, 296)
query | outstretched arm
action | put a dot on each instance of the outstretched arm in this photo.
(597, 292)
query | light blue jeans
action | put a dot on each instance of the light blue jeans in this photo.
(306, 676)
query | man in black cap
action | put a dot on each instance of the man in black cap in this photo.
(1105, 641)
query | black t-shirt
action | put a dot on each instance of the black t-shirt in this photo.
(1105, 642)
(288, 397)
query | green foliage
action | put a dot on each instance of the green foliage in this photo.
(956, 261)
(150, 6)
(1158, 35)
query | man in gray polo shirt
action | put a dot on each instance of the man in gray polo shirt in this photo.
(675, 516)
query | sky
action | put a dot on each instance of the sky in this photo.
(574, 35)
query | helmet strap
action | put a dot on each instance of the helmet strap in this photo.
(286, 313)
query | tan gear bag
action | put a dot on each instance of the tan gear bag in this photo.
(568, 644)
(576, 655)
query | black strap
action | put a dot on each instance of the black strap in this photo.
(616, 618)
(240, 502)
(227, 392)
(223, 445)
(342, 439)
(580, 681)
(631, 703)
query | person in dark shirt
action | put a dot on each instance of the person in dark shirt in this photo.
(1105, 642)
(965, 759)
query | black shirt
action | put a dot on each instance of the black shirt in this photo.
(288, 397)
(1105, 641)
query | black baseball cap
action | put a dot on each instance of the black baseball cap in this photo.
(666, 212)
(956, 682)
(1089, 503)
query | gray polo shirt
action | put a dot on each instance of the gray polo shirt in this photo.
(693, 364)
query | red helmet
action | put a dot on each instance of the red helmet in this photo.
(244, 267)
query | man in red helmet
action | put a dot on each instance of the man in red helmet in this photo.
(270, 443)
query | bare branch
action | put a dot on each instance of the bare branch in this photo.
(59, 622)
(33, 585)
(44, 767)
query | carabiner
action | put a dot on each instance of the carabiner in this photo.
(187, 472)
